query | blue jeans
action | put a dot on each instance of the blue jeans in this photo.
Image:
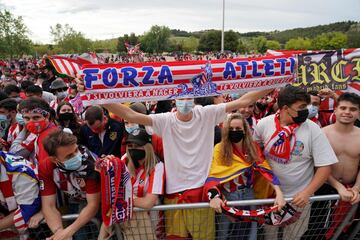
(227, 229)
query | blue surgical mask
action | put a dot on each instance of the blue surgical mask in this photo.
(19, 119)
(61, 95)
(130, 129)
(234, 96)
(313, 111)
(4, 123)
(17, 99)
(184, 106)
(73, 163)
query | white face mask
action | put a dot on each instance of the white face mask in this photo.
(313, 110)
(61, 95)
(184, 106)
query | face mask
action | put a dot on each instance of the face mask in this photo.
(43, 75)
(36, 127)
(301, 117)
(68, 116)
(184, 106)
(18, 78)
(19, 119)
(236, 136)
(313, 110)
(136, 155)
(234, 96)
(17, 99)
(261, 106)
(4, 124)
(132, 128)
(73, 163)
(61, 95)
(98, 129)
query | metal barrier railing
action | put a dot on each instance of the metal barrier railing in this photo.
(182, 220)
(198, 221)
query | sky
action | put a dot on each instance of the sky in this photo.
(112, 18)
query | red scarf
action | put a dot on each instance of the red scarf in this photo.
(282, 142)
(116, 190)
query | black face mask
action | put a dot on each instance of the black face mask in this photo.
(261, 106)
(66, 116)
(302, 115)
(43, 75)
(236, 136)
(136, 155)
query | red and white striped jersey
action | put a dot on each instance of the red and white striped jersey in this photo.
(75, 187)
(14, 130)
(153, 183)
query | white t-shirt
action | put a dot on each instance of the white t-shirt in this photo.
(188, 146)
(312, 149)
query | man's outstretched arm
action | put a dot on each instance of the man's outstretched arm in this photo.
(128, 114)
(246, 100)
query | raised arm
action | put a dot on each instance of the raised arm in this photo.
(246, 100)
(119, 109)
(128, 114)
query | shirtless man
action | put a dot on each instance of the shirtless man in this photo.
(344, 138)
(344, 179)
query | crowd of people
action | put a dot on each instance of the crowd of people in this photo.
(276, 143)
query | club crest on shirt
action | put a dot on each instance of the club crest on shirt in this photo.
(113, 136)
(80, 182)
(298, 148)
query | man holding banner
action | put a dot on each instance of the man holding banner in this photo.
(188, 145)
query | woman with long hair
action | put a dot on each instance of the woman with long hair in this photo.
(236, 159)
(148, 179)
(67, 118)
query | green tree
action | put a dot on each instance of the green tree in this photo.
(243, 46)
(120, 46)
(298, 44)
(108, 45)
(190, 44)
(231, 40)
(353, 36)
(328, 41)
(260, 44)
(13, 35)
(273, 44)
(69, 40)
(133, 39)
(156, 40)
(210, 41)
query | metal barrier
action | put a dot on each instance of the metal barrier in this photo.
(88, 232)
(324, 218)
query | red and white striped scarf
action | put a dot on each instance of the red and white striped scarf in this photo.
(282, 142)
(116, 190)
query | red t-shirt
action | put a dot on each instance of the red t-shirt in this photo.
(51, 178)
(40, 152)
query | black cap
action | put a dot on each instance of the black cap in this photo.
(138, 136)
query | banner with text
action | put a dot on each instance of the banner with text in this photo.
(137, 82)
(338, 70)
